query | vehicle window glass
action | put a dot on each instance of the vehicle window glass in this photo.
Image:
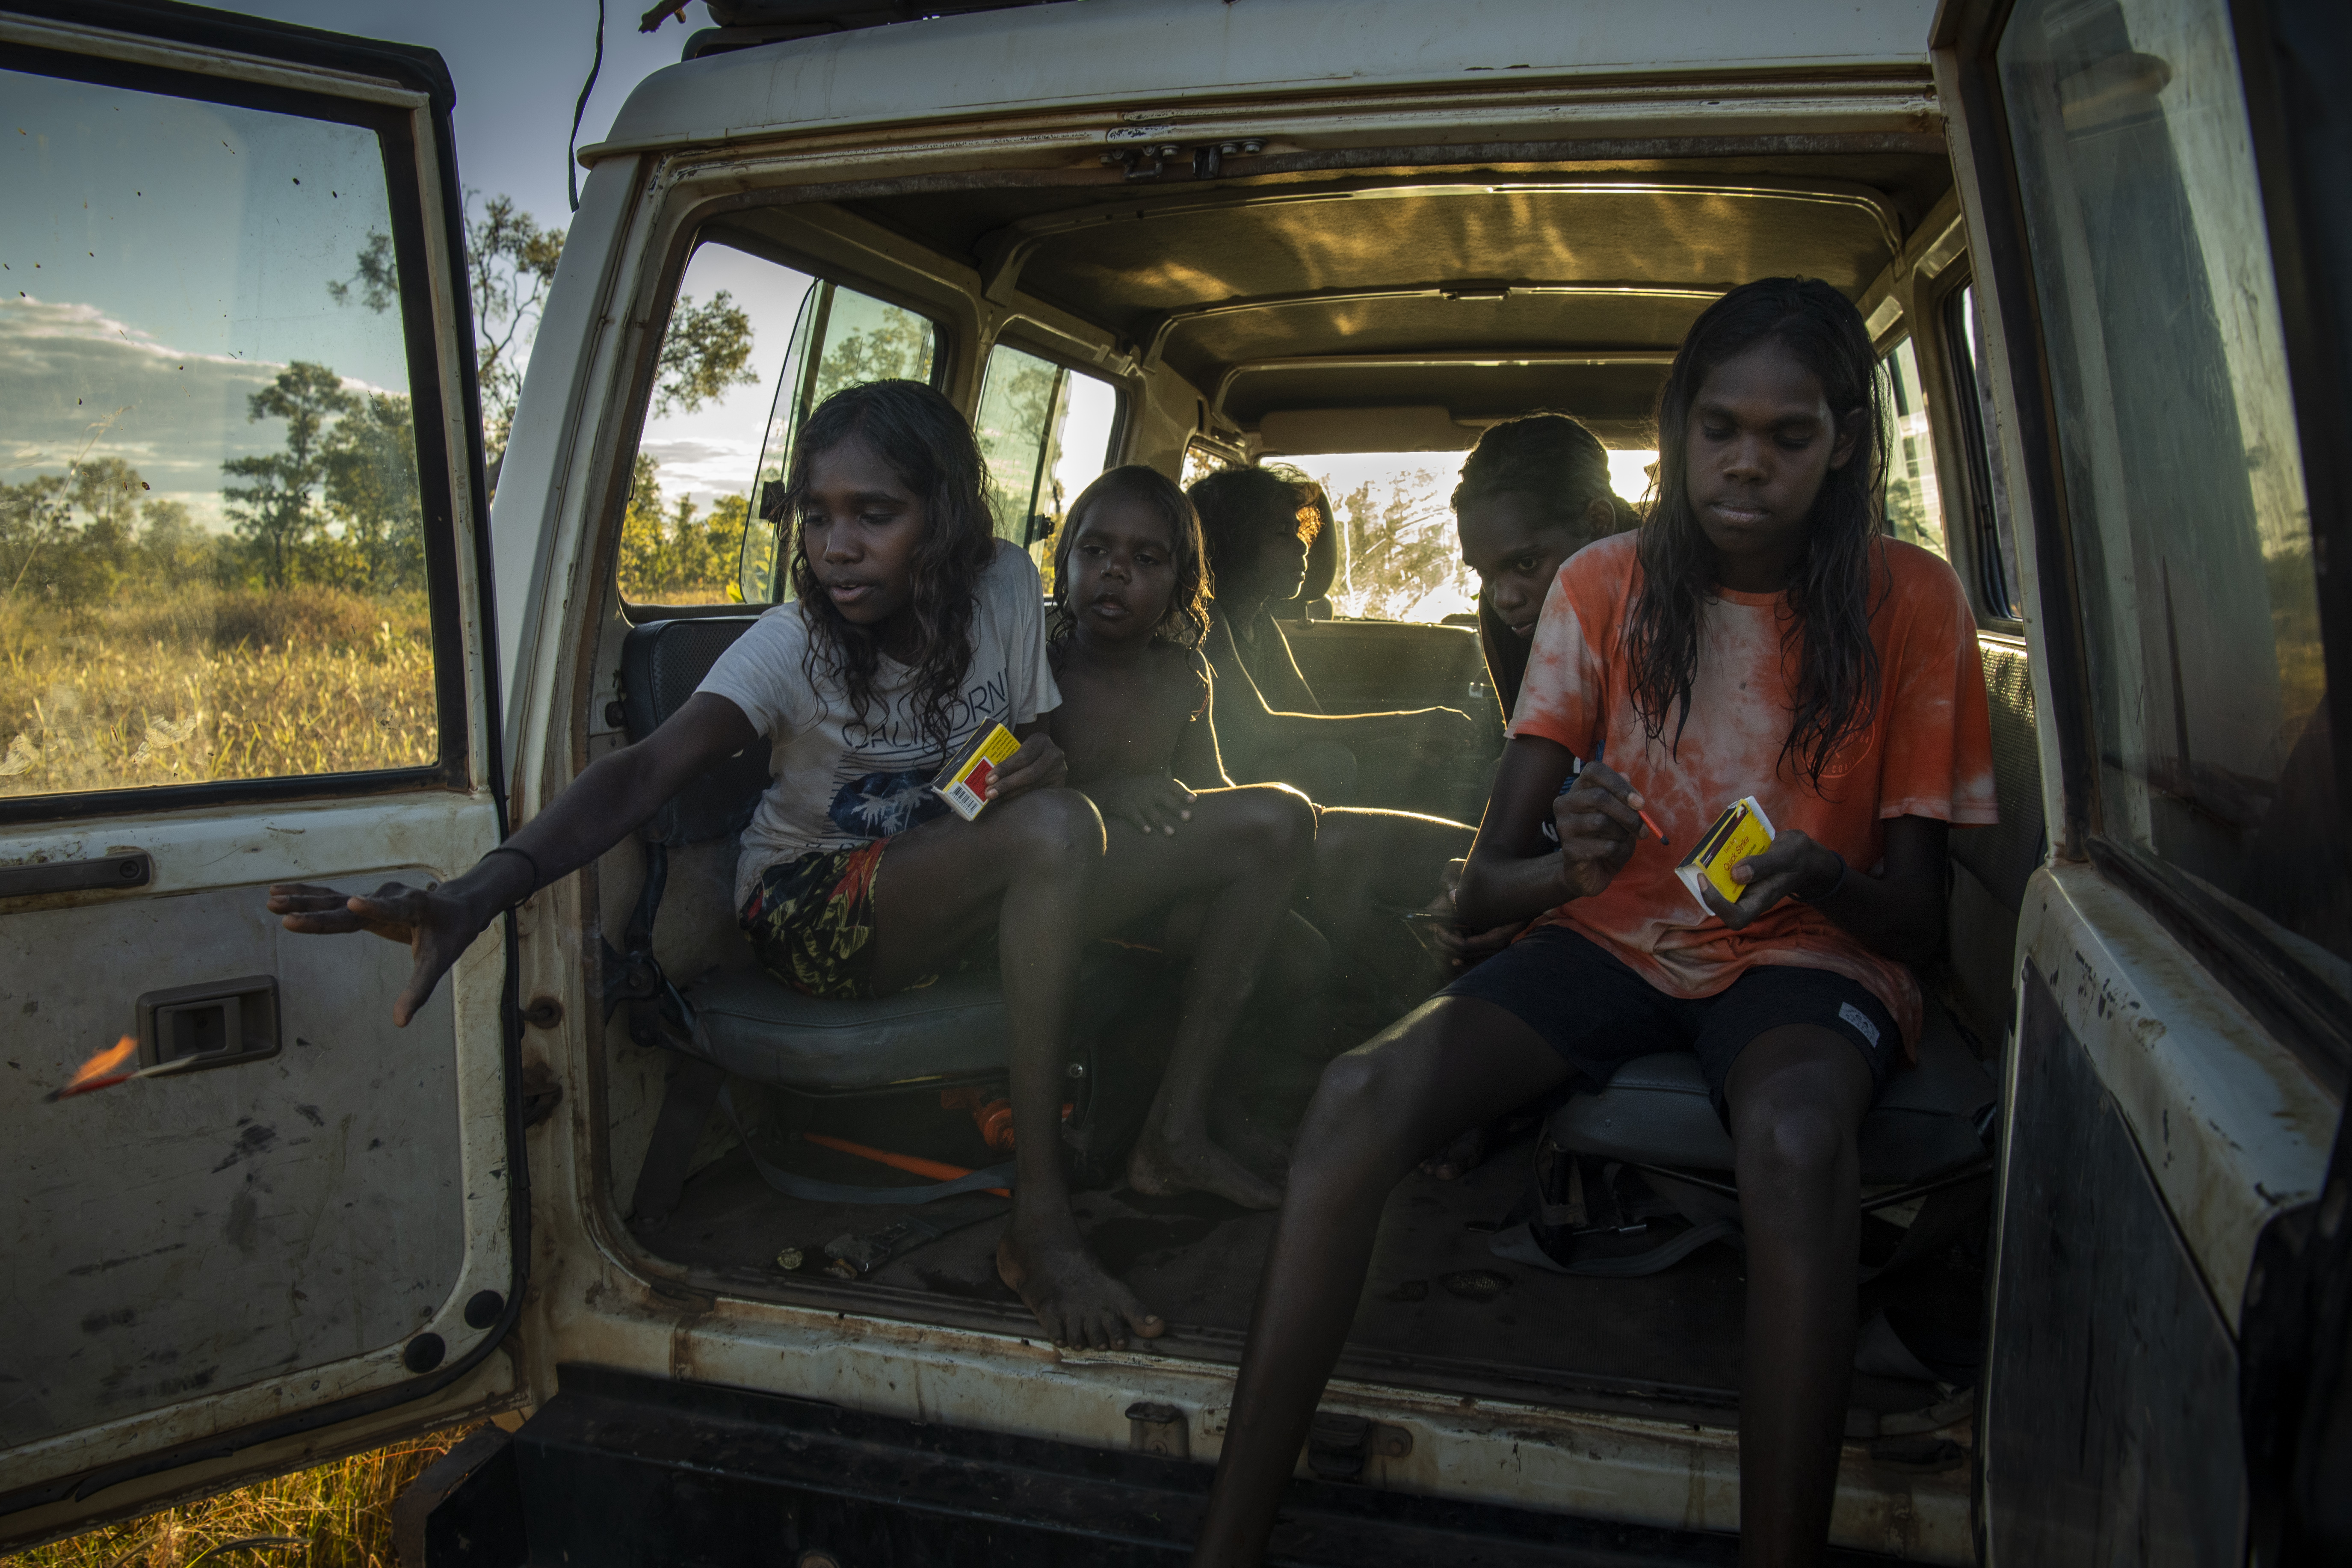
(1399, 557)
(1200, 460)
(682, 536)
(2183, 476)
(1045, 435)
(1915, 507)
(841, 339)
(1996, 533)
(212, 555)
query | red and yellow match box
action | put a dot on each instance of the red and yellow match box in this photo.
(964, 786)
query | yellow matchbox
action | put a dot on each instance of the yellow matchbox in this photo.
(964, 786)
(1742, 830)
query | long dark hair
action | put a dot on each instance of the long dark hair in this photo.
(1565, 468)
(1827, 612)
(1186, 621)
(925, 441)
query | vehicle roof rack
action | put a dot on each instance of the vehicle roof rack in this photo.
(747, 23)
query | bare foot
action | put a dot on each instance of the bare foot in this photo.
(1161, 1168)
(1077, 1303)
(1464, 1155)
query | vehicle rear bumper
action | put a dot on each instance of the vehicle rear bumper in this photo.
(621, 1469)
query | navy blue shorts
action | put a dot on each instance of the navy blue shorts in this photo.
(1598, 1015)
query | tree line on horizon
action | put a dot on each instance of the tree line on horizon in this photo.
(338, 504)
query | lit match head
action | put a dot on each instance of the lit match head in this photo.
(104, 1071)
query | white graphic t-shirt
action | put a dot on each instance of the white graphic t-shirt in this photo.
(838, 783)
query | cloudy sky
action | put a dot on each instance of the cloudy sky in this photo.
(164, 258)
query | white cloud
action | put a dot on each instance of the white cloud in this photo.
(75, 384)
(701, 466)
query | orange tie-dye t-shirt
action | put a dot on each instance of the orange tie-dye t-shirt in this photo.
(1927, 752)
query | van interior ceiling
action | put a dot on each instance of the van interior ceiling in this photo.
(1307, 305)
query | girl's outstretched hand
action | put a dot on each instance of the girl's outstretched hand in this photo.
(437, 924)
(1039, 764)
(1794, 867)
(1599, 821)
(1153, 805)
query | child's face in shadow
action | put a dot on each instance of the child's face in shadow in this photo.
(1122, 572)
(1516, 548)
(859, 527)
(1276, 567)
(1760, 441)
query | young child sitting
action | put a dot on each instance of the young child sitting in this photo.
(1371, 865)
(1257, 524)
(1533, 492)
(913, 630)
(1760, 634)
(1134, 721)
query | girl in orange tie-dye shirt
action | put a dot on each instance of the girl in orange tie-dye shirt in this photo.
(1758, 635)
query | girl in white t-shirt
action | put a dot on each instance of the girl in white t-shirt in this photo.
(914, 629)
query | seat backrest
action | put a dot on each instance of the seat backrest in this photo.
(2004, 856)
(661, 664)
(1991, 865)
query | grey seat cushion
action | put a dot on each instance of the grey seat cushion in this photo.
(760, 1029)
(1655, 1111)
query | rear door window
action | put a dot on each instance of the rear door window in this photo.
(213, 556)
(1915, 503)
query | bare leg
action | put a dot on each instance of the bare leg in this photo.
(1798, 1095)
(1028, 866)
(1454, 1063)
(1258, 842)
(1370, 866)
(1036, 868)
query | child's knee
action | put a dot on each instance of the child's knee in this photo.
(1791, 1137)
(1280, 823)
(1056, 826)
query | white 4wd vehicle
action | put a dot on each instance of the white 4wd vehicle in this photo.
(2102, 244)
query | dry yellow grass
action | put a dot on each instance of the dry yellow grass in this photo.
(211, 684)
(336, 1516)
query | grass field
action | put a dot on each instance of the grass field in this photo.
(336, 1516)
(200, 683)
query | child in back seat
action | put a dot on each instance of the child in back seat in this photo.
(914, 631)
(1130, 582)
(1759, 633)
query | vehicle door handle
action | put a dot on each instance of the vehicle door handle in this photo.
(129, 869)
(212, 1026)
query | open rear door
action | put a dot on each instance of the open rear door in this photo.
(242, 640)
(2154, 199)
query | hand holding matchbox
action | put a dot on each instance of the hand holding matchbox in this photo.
(1741, 831)
(964, 786)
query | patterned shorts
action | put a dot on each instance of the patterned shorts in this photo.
(810, 920)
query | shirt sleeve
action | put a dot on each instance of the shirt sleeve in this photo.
(1939, 737)
(1562, 698)
(1030, 674)
(761, 673)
